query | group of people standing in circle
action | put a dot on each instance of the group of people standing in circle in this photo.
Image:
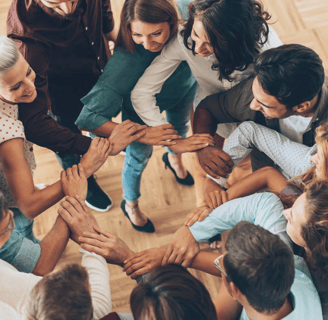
(216, 62)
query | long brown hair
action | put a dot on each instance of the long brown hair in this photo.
(315, 231)
(148, 11)
(170, 292)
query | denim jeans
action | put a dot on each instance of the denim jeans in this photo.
(24, 225)
(138, 154)
(68, 122)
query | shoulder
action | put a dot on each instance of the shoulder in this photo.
(10, 127)
(21, 15)
(307, 303)
(175, 48)
(124, 69)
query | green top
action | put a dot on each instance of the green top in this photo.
(113, 89)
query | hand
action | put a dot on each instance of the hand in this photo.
(124, 133)
(215, 162)
(160, 135)
(182, 248)
(96, 156)
(213, 194)
(112, 248)
(193, 143)
(198, 214)
(78, 217)
(74, 182)
(142, 262)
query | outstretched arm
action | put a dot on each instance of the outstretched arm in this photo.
(264, 209)
(30, 200)
(52, 247)
(264, 178)
(294, 158)
(214, 161)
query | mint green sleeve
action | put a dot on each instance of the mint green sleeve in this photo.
(264, 209)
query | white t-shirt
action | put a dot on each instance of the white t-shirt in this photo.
(16, 287)
(294, 127)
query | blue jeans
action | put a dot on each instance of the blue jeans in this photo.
(138, 154)
(24, 225)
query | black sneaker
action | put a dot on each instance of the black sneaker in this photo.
(97, 199)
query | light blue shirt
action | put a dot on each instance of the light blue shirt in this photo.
(265, 209)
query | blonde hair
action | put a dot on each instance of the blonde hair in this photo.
(8, 54)
(310, 176)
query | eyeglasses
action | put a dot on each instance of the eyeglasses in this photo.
(217, 265)
(11, 225)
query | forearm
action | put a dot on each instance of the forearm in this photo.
(264, 178)
(52, 247)
(37, 201)
(204, 261)
(104, 130)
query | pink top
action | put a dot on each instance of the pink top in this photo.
(11, 128)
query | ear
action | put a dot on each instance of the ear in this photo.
(303, 107)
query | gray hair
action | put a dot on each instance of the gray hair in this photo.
(9, 54)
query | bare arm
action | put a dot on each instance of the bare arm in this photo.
(266, 177)
(30, 200)
(105, 130)
(160, 135)
(52, 247)
(214, 161)
(142, 262)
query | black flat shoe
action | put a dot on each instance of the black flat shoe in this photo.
(187, 181)
(148, 227)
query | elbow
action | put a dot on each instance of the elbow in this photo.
(29, 211)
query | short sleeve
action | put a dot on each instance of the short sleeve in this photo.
(10, 126)
(231, 105)
(21, 253)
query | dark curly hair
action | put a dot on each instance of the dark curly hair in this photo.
(236, 29)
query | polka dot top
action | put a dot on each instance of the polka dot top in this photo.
(11, 128)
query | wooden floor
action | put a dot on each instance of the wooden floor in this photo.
(164, 201)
